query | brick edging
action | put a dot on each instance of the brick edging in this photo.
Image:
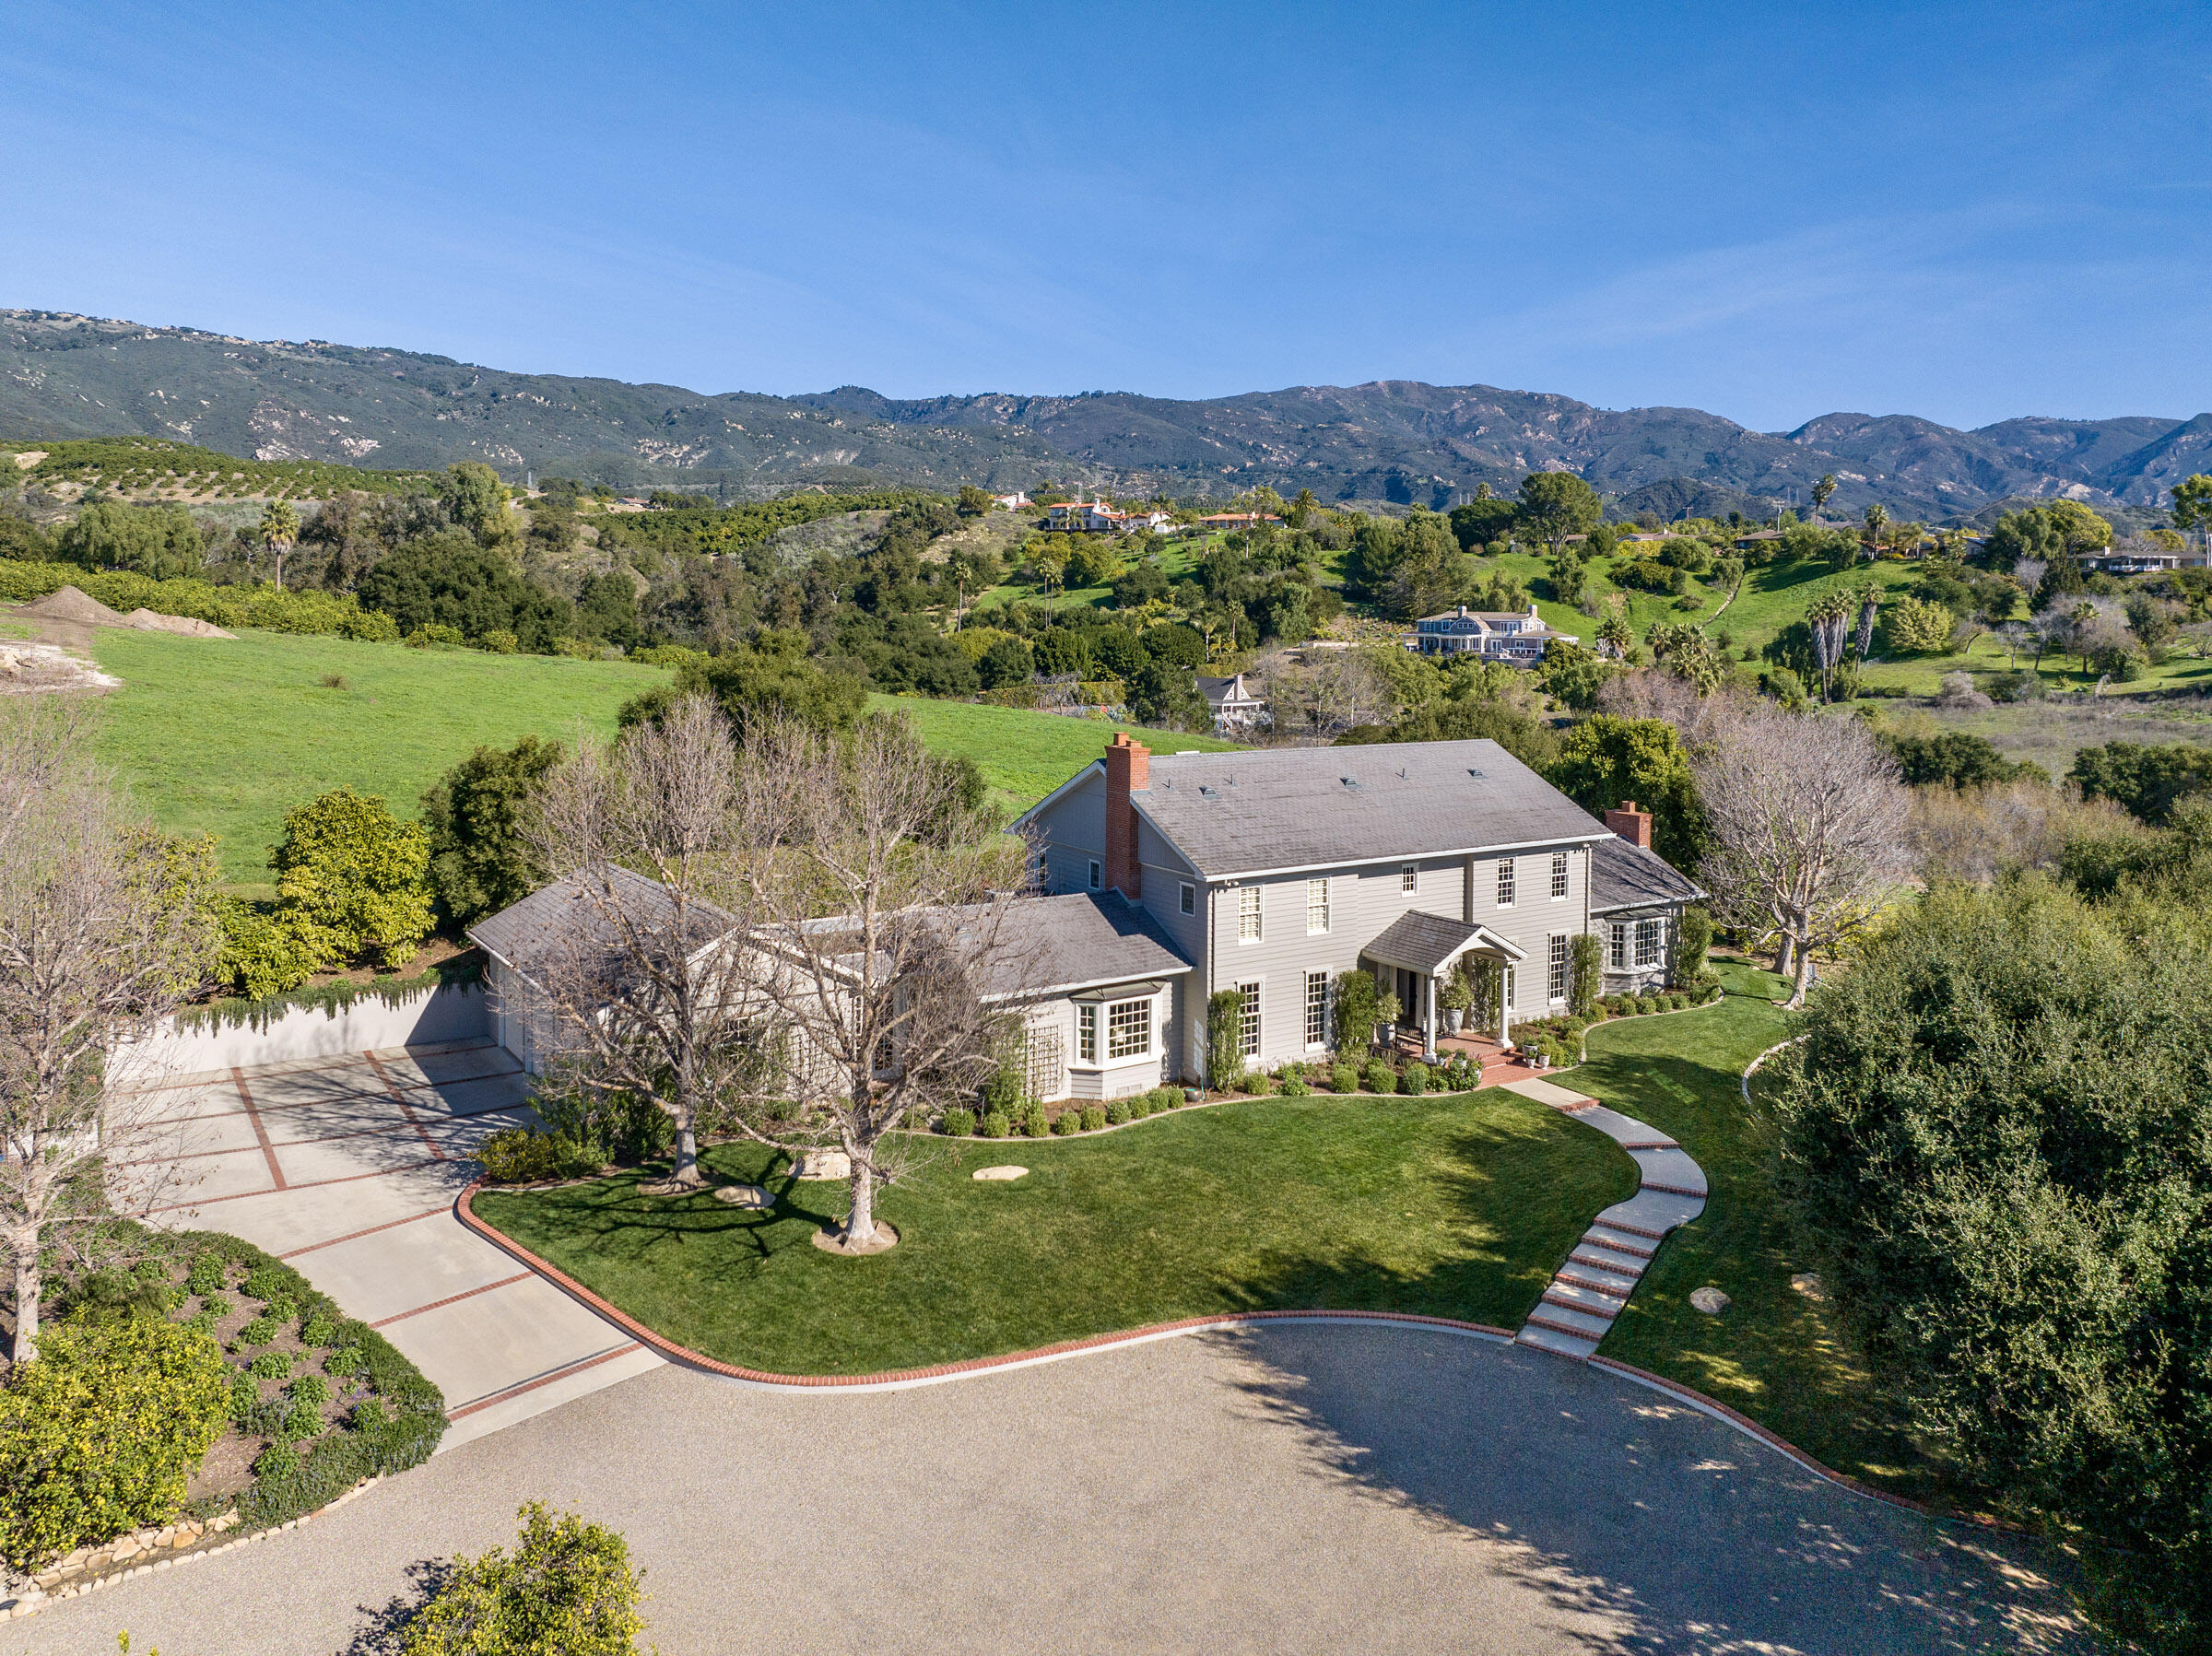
(945, 1372)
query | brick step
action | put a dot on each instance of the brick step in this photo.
(1551, 1339)
(1675, 1189)
(1564, 1320)
(1615, 1266)
(1589, 1301)
(1649, 1144)
(1624, 1228)
(1616, 1289)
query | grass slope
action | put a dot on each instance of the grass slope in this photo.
(225, 737)
(1456, 1207)
(1024, 755)
(1775, 1354)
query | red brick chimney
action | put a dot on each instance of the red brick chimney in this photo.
(1128, 767)
(1630, 824)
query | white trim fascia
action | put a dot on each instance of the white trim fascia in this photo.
(1394, 859)
(1062, 990)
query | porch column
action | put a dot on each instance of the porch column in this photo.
(1429, 1016)
(1503, 1010)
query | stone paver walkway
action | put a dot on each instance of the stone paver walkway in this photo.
(1578, 1308)
(346, 1167)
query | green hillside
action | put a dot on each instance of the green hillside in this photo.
(1024, 756)
(148, 466)
(224, 736)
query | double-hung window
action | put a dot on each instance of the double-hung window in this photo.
(1317, 908)
(1617, 951)
(1317, 1009)
(1247, 914)
(1188, 901)
(1087, 1031)
(1558, 875)
(1409, 877)
(1129, 1028)
(1098, 875)
(1248, 1020)
(1555, 981)
(1647, 942)
(1505, 882)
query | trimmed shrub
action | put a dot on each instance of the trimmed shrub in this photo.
(1646, 1004)
(99, 1432)
(1344, 1078)
(997, 1124)
(1094, 1117)
(1459, 1074)
(1293, 1085)
(1165, 1097)
(567, 1586)
(1379, 1078)
(1414, 1080)
(957, 1123)
(1065, 1122)
(1032, 1123)
(524, 1155)
(1118, 1113)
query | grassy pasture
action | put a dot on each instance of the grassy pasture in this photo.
(1023, 755)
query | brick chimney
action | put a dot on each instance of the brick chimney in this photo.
(1128, 767)
(1630, 824)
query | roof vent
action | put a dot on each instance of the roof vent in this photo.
(1401, 773)
(1478, 776)
(1207, 793)
(1349, 782)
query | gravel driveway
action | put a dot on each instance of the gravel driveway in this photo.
(1284, 1487)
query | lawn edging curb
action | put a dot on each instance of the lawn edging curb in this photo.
(939, 1373)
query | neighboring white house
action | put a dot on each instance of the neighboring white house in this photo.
(1013, 502)
(1095, 517)
(1495, 635)
(1236, 706)
(1272, 871)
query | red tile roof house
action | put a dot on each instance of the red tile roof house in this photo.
(1272, 871)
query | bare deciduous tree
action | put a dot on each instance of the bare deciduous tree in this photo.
(104, 928)
(883, 912)
(1809, 822)
(1323, 693)
(644, 993)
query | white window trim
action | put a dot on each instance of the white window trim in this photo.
(1561, 944)
(1327, 916)
(1253, 1008)
(1509, 883)
(1086, 1032)
(1658, 937)
(1188, 900)
(1151, 1029)
(1249, 909)
(1314, 1043)
(1562, 877)
(1098, 875)
(1616, 946)
(1410, 877)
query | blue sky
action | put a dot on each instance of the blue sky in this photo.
(1965, 212)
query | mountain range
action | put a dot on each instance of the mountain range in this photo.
(64, 375)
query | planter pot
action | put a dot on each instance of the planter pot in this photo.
(1453, 1017)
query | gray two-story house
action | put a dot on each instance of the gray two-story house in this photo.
(1272, 871)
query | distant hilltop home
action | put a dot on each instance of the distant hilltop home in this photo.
(1236, 706)
(1013, 502)
(1271, 872)
(1493, 635)
(1095, 517)
(1237, 520)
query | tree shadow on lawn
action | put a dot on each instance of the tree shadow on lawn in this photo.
(1644, 1525)
(1442, 1207)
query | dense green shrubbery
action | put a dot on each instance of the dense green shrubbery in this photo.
(996, 1123)
(226, 606)
(1413, 1080)
(1165, 1097)
(99, 1432)
(1344, 1078)
(567, 1589)
(959, 1123)
(1379, 1078)
(1067, 1121)
(524, 1155)
(1094, 1117)
(1995, 1134)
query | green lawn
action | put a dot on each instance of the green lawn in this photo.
(223, 736)
(1458, 1206)
(1024, 755)
(1774, 1353)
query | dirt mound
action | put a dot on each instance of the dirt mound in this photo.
(190, 627)
(69, 605)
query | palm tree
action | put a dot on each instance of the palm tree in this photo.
(280, 531)
(1822, 491)
(1876, 516)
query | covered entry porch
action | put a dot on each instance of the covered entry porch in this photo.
(1417, 954)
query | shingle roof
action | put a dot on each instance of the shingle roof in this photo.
(1058, 944)
(549, 924)
(1309, 807)
(1624, 875)
(1422, 943)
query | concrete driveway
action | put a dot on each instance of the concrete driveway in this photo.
(1285, 1487)
(347, 1169)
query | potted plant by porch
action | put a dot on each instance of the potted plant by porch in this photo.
(1456, 996)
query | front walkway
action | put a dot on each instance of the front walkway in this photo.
(1578, 1308)
(347, 1169)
